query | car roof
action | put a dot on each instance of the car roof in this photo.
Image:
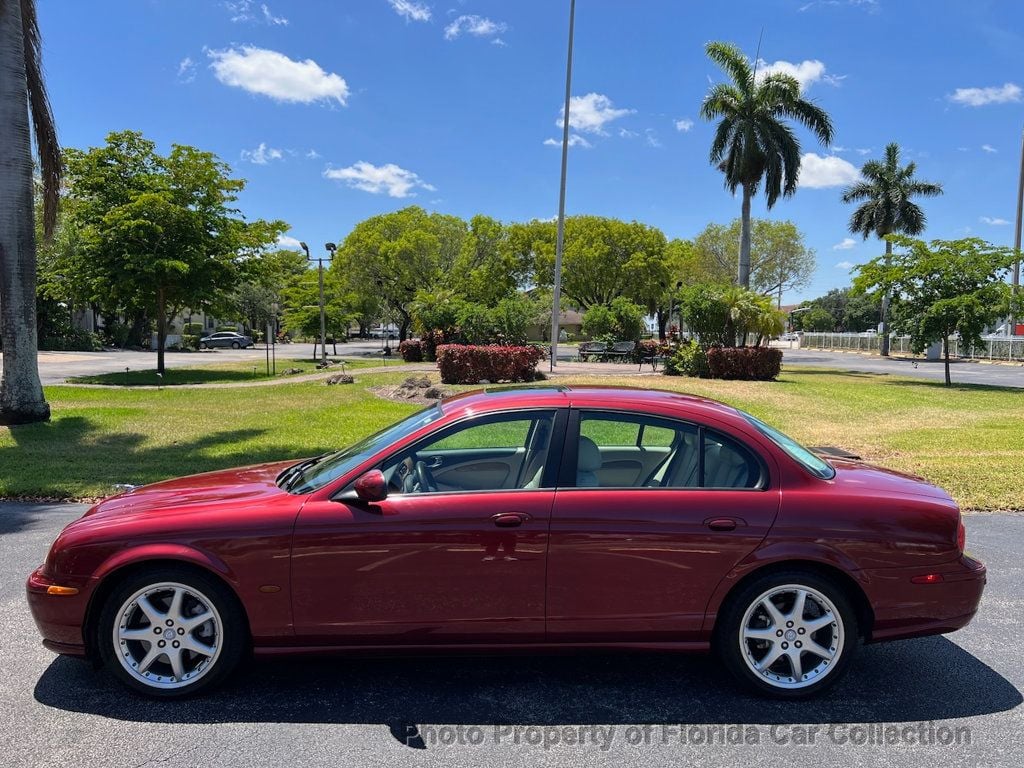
(501, 398)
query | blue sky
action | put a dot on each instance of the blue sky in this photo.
(335, 111)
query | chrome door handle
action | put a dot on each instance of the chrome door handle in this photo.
(509, 519)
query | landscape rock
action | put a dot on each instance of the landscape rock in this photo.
(340, 378)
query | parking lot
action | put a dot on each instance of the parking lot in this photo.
(599, 709)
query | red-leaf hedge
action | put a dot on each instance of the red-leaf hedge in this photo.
(411, 350)
(468, 364)
(748, 363)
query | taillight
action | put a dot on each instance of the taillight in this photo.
(961, 535)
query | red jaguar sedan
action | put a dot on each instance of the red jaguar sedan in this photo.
(541, 518)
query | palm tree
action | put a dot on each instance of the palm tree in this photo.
(753, 142)
(22, 95)
(887, 208)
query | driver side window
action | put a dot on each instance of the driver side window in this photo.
(491, 453)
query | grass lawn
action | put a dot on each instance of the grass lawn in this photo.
(970, 440)
(239, 371)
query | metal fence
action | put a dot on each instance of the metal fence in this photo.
(1009, 349)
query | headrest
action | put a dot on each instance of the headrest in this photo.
(589, 458)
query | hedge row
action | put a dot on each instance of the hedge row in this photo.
(748, 363)
(468, 364)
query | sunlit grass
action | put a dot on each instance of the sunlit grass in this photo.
(968, 439)
(233, 372)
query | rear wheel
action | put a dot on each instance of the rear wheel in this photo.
(171, 632)
(789, 635)
(235, 345)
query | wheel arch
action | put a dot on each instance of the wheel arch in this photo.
(118, 572)
(851, 587)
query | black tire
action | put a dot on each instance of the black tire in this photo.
(235, 345)
(233, 637)
(202, 345)
(738, 655)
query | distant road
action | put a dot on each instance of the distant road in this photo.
(55, 367)
(962, 372)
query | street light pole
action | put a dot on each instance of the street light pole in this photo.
(1012, 322)
(556, 299)
(331, 247)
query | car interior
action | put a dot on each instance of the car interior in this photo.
(614, 451)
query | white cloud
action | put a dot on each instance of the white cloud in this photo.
(863, 150)
(411, 11)
(590, 113)
(575, 140)
(625, 133)
(817, 172)
(806, 72)
(186, 70)
(313, 155)
(844, 265)
(979, 97)
(499, 42)
(478, 26)
(244, 12)
(989, 148)
(847, 244)
(288, 242)
(273, 74)
(683, 125)
(262, 154)
(377, 179)
(652, 138)
(994, 221)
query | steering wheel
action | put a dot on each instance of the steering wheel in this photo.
(425, 478)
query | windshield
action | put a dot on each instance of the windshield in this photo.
(809, 461)
(319, 472)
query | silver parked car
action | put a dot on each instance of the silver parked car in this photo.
(225, 339)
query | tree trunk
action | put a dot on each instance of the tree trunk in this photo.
(21, 393)
(884, 329)
(744, 270)
(663, 318)
(161, 329)
(945, 357)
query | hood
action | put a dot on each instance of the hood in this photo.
(251, 483)
(858, 476)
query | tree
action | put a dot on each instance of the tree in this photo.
(779, 259)
(488, 268)
(603, 259)
(817, 319)
(621, 319)
(159, 233)
(264, 280)
(397, 254)
(301, 298)
(886, 207)
(724, 315)
(753, 143)
(23, 98)
(941, 288)
(850, 311)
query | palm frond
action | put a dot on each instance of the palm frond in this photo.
(43, 125)
(731, 59)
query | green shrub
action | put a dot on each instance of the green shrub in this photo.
(689, 359)
(622, 320)
(190, 340)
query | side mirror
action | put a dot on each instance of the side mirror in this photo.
(371, 486)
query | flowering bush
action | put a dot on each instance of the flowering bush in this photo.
(467, 364)
(749, 363)
(411, 350)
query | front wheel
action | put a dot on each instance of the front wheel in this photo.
(235, 345)
(171, 632)
(789, 635)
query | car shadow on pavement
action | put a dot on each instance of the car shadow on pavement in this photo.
(914, 680)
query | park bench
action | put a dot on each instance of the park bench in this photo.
(595, 349)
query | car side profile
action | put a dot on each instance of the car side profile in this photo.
(226, 339)
(540, 518)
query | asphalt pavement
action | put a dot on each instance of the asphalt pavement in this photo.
(580, 709)
(960, 371)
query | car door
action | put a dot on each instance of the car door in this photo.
(437, 562)
(650, 515)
